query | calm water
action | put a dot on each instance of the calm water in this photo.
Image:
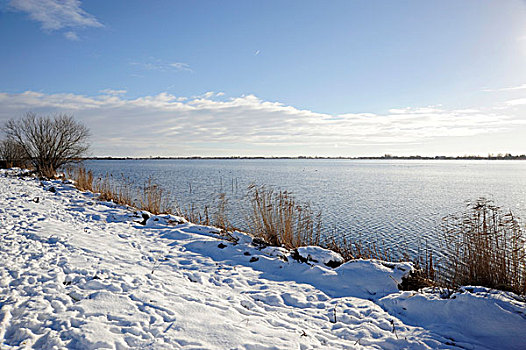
(385, 200)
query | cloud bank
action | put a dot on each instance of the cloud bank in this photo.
(211, 124)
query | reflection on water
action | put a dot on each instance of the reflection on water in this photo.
(384, 200)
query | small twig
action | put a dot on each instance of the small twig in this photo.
(334, 313)
(170, 326)
(394, 329)
(157, 262)
(393, 279)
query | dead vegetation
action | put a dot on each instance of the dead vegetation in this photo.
(149, 197)
(482, 245)
(277, 218)
(154, 199)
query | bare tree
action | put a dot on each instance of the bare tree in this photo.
(49, 142)
(13, 154)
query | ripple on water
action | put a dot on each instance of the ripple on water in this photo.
(390, 201)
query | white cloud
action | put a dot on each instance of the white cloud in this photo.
(71, 36)
(171, 125)
(56, 14)
(181, 66)
(516, 102)
(511, 88)
(113, 92)
(155, 64)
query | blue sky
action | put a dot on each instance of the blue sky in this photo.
(268, 78)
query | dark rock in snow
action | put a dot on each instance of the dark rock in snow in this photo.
(333, 263)
(259, 243)
(145, 217)
(296, 256)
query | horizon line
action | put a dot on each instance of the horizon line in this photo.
(500, 156)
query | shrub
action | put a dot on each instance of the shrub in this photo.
(13, 154)
(48, 142)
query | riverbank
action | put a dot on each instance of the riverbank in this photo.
(79, 273)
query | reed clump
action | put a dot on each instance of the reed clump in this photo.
(107, 187)
(220, 218)
(484, 246)
(192, 213)
(280, 220)
(149, 197)
(217, 217)
(117, 191)
(83, 179)
(154, 199)
(359, 249)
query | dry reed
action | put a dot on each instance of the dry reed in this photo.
(150, 197)
(154, 199)
(193, 214)
(280, 220)
(118, 191)
(220, 215)
(359, 249)
(485, 246)
(83, 179)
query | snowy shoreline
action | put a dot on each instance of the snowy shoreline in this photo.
(81, 274)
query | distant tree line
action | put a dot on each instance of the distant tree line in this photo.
(498, 156)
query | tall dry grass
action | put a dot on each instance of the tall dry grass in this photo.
(193, 214)
(280, 220)
(149, 197)
(118, 191)
(220, 218)
(351, 249)
(154, 199)
(108, 189)
(217, 217)
(83, 178)
(484, 246)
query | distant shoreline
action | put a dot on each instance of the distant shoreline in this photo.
(491, 157)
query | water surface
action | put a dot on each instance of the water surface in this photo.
(384, 200)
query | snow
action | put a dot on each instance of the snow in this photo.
(317, 254)
(82, 274)
(494, 319)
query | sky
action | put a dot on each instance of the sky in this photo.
(272, 78)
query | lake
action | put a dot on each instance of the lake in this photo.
(388, 201)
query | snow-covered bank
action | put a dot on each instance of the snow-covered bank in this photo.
(81, 274)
